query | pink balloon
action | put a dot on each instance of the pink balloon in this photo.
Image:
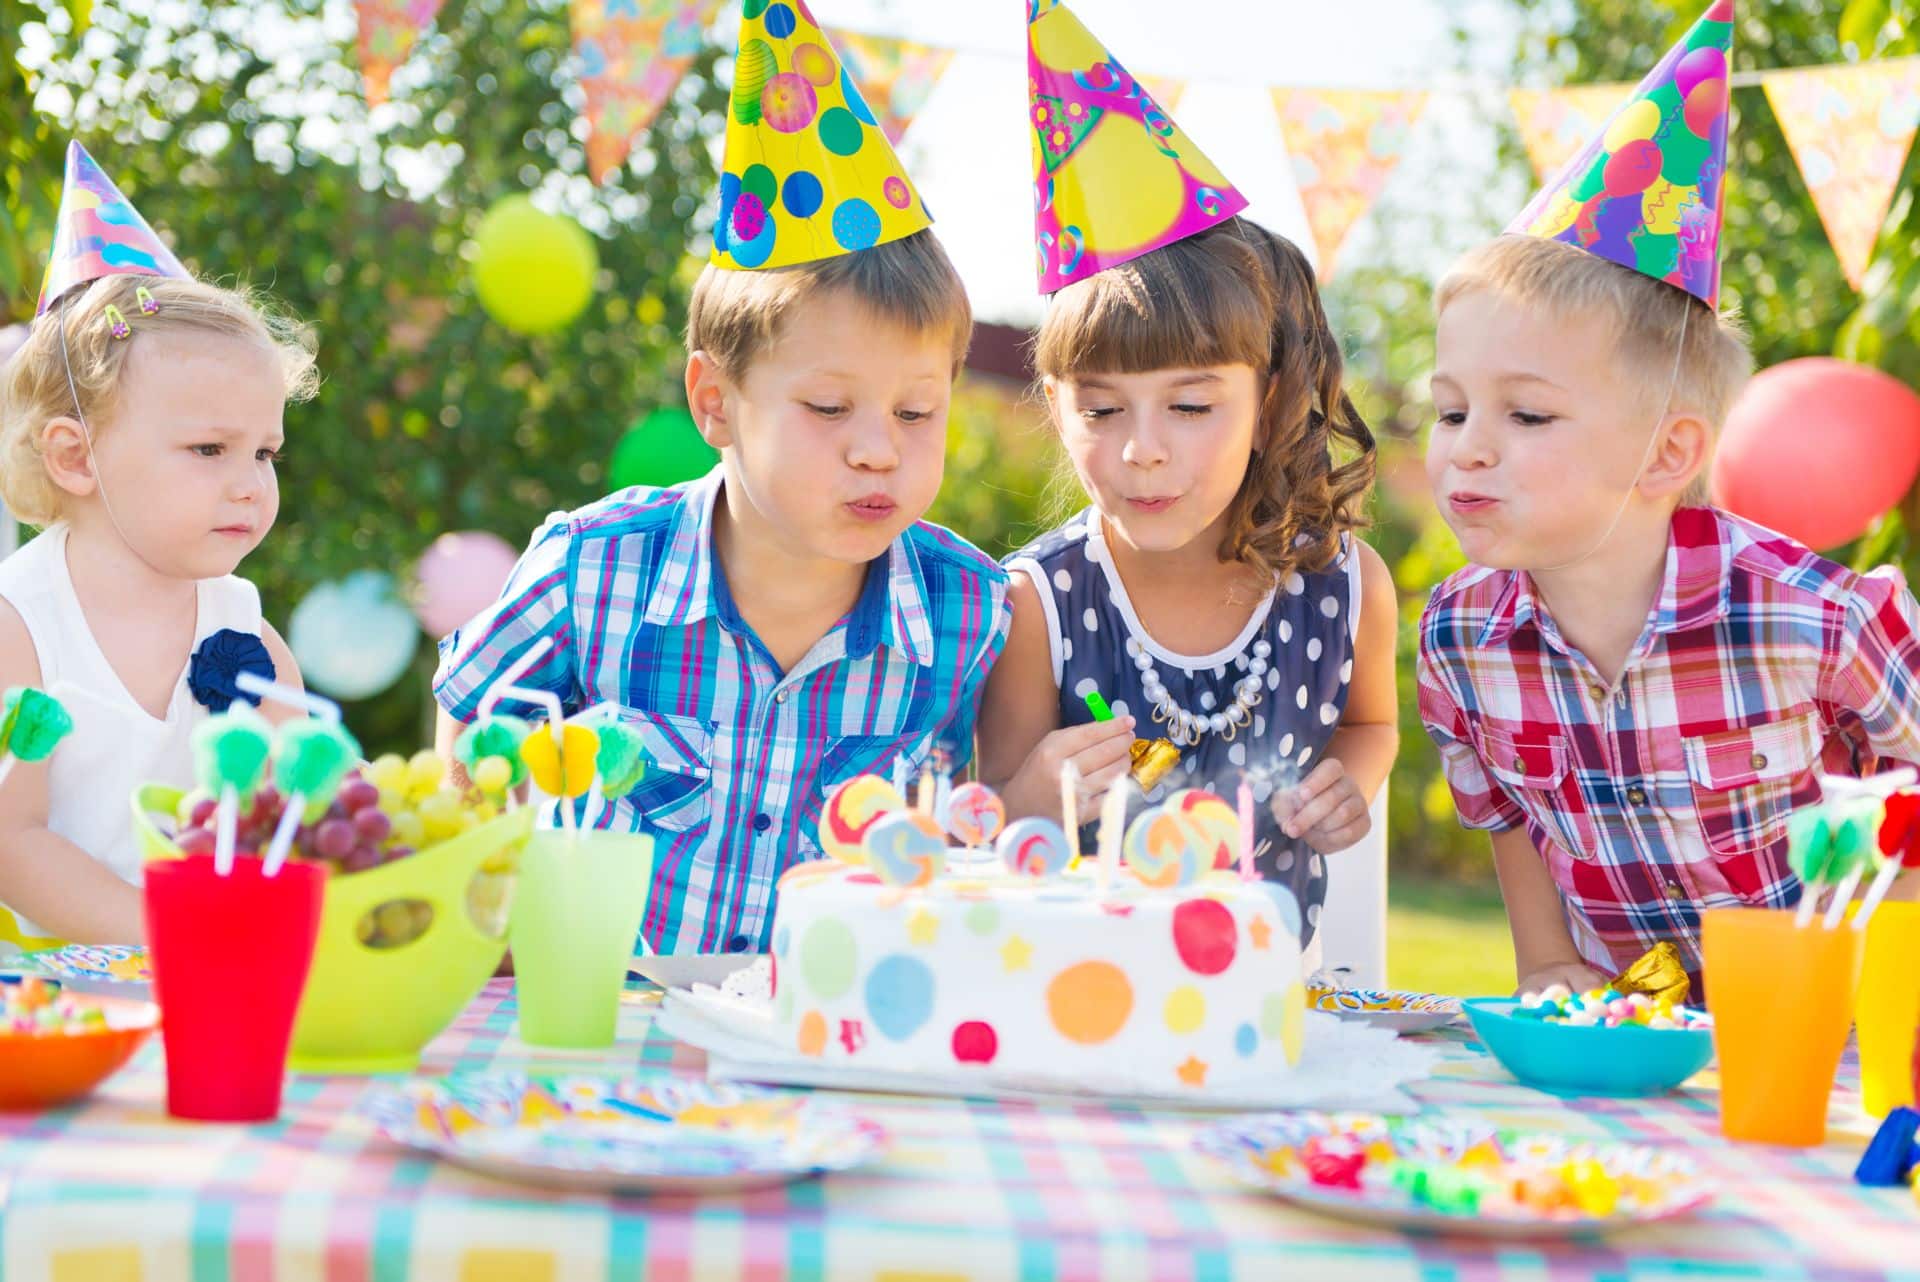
(458, 576)
(1817, 448)
(1633, 168)
(1701, 64)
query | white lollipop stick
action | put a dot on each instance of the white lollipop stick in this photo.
(226, 829)
(504, 683)
(1882, 883)
(1113, 823)
(1841, 898)
(311, 704)
(6, 767)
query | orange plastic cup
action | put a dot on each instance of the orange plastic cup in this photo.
(1889, 1009)
(1782, 1001)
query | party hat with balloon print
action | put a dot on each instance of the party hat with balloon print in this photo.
(1649, 192)
(99, 233)
(808, 172)
(1113, 176)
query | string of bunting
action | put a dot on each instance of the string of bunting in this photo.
(1849, 126)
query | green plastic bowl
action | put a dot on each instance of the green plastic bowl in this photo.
(374, 1009)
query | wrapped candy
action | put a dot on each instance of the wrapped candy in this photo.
(32, 723)
(1151, 761)
(1659, 973)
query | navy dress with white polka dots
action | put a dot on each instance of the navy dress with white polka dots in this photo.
(1308, 622)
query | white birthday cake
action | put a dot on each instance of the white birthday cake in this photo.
(1033, 981)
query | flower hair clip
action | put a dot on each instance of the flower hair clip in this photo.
(148, 307)
(117, 323)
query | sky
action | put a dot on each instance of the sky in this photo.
(968, 149)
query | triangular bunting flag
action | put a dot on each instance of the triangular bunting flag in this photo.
(895, 76)
(1849, 129)
(1164, 90)
(1344, 144)
(632, 53)
(1646, 192)
(388, 30)
(807, 174)
(1113, 176)
(99, 233)
(1556, 123)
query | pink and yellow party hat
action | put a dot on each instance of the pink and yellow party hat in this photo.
(99, 233)
(808, 174)
(1113, 176)
(1649, 192)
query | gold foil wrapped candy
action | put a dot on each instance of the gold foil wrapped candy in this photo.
(1658, 974)
(1152, 759)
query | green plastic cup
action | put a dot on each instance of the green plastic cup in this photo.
(576, 915)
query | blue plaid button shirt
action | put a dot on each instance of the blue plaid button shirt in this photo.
(638, 611)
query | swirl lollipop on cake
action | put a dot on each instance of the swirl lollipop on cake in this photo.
(906, 849)
(1034, 847)
(852, 811)
(975, 814)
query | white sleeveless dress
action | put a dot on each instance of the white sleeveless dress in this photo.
(116, 745)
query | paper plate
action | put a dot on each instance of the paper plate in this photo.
(1404, 1012)
(113, 969)
(654, 1134)
(1267, 1152)
(684, 970)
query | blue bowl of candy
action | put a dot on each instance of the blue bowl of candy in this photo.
(1626, 1060)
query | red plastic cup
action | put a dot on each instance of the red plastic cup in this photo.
(230, 959)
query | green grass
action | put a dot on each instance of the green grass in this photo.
(1445, 937)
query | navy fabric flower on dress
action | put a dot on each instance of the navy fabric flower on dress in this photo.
(214, 673)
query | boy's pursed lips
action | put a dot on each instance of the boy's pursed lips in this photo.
(1468, 501)
(872, 507)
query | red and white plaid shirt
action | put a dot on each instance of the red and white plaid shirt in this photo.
(1668, 792)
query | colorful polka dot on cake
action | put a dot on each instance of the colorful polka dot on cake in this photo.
(1090, 1002)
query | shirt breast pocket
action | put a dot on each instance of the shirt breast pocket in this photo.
(676, 794)
(1746, 781)
(849, 756)
(1537, 771)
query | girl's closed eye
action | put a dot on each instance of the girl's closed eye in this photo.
(1094, 413)
(1532, 418)
(911, 417)
(1191, 409)
(825, 411)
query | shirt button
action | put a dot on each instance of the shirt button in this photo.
(739, 944)
(1637, 796)
(780, 696)
(1759, 761)
(1519, 765)
(762, 822)
(1674, 891)
(1599, 693)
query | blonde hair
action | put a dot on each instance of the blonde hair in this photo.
(736, 315)
(1662, 333)
(34, 387)
(1235, 295)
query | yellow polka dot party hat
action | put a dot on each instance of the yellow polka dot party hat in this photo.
(1113, 176)
(808, 173)
(1648, 192)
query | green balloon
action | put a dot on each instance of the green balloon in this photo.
(664, 448)
(533, 270)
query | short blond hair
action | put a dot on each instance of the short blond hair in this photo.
(737, 315)
(1646, 315)
(33, 383)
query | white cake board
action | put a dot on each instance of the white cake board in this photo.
(1343, 1066)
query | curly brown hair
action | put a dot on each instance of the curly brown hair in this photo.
(1236, 295)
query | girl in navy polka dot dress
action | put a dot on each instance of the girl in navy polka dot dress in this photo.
(1214, 591)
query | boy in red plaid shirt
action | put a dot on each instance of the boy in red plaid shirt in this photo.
(1631, 689)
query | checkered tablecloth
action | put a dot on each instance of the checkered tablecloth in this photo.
(113, 1191)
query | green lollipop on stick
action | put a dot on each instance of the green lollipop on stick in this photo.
(310, 760)
(622, 760)
(490, 739)
(1856, 850)
(230, 754)
(32, 724)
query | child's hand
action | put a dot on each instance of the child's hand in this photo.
(1327, 810)
(1100, 751)
(1577, 976)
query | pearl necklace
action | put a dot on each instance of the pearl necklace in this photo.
(1186, 728)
